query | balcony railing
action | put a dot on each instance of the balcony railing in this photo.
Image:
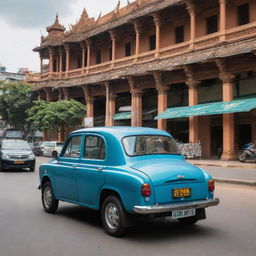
(207, 41)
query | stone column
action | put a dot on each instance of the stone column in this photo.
(113, 41)
(61, 96)
(45, 136)
(223, 18)
(41, 63)
(136, 102)
(65, 93)
(48, 94)
(61, 62)
(110, 105)
(138, 30)
(193, 120)
(157, 21)
(162, 99)
(192, 12)
(136, 108)
(228, 119)
(89, 102)
(83, 48)
(50, 60)
(67, 50)
(57, 64)
(89, 45)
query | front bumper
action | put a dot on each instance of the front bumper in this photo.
(152, 209)
(12, 165)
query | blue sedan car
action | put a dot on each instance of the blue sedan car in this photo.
(126, 172)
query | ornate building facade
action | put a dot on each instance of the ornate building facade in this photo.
(154, 55)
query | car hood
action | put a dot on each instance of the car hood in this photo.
(167, 171)
(16, 152)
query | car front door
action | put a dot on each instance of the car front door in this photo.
(90, 172)
(65, 171)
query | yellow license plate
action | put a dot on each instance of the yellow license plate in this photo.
(19, 162)
(181, 192)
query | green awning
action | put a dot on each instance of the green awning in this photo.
(209, 109)
(128, 115)
(123, 116)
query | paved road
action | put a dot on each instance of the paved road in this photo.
(25, 230)
(232, 173)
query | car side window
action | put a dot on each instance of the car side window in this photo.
(73, 148)
(94, 148)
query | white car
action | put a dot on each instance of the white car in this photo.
(50, 147)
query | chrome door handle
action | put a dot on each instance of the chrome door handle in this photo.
(100, 168)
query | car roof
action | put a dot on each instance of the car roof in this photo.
(122, 131)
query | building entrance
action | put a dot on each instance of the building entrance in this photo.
(216, 141)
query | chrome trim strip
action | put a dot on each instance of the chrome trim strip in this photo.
(151, 209)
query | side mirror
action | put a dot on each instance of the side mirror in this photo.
(55, 154)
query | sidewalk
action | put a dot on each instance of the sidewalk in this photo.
(233, 172)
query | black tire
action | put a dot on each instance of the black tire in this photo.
(50, 203)
(113, 216)
(188, 221)
(32, 169)
(242, 158)
(53, 153)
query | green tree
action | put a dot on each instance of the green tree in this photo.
(54, 115)
(15, 99)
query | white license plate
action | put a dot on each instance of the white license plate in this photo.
(183, 213)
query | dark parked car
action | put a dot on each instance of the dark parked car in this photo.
(37, 149)
(16, 154)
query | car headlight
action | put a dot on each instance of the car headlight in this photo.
(31, 157)
(5, 156)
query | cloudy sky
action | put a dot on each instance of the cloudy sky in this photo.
(22, 22)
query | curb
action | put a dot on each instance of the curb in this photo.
(235, 181)
(226, 165)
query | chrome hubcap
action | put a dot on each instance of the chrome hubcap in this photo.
(112, 216)
(47, 197)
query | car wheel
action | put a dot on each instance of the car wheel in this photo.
(50, 203)
(53, 154)
(113, 216)
(188, 221)
(32, 169)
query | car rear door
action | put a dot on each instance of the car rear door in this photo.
(65, 171)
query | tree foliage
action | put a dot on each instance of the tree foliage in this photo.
(15, 99)
(52, 115)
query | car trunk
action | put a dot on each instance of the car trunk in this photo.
(173, 177)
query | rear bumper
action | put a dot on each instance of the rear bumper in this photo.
(152, 209)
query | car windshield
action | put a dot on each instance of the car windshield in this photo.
(20, 145)
(150, 144)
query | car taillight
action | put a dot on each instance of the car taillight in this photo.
(145, 189)
(211, 185)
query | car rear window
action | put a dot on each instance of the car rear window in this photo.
(150, 145)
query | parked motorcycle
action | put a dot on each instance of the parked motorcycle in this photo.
(249, 152)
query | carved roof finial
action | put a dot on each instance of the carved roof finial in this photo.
(117, 7)
(56, 26)
(84, 14)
